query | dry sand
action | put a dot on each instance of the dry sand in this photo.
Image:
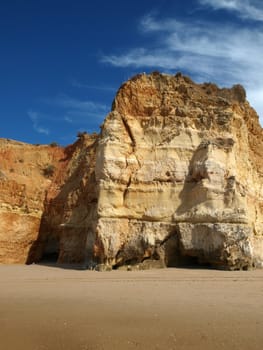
(45, 307)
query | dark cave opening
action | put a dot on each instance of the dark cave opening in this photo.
(49, 257)
(192, 262)
(50, 253)
(176, 256)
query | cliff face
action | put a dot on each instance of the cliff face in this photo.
(180, 172)
(69, 215)
(175, 177)
(45, 200)
(26, 173)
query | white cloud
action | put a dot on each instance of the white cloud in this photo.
(34, 116)
(223, 53)
(80, 114)
(81, 85)
(247, 9)
(68, 119)
(149, 24)
(255, 97)
(76, 110)
(68, 102)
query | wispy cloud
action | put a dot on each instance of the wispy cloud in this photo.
(78, 84)
(64, 113)
(81, 105)
(76, 110)
(202, 49)
(226, 54)
(247, 9)
(35, 117)
(255, 97)
(68, 119)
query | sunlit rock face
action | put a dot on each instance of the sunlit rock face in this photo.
(179, 168)
(46, 200)
(27, 174)
(175, 177)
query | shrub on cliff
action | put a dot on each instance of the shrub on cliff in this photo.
(49, 170)
(81, 134)
(54, 144)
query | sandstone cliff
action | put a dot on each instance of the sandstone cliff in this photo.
(40, 187)
(26, 173)
(175, 177)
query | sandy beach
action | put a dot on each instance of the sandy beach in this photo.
(46, 308)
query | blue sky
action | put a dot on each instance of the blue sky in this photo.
(62, 61)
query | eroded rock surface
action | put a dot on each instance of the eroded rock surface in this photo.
(175, 177)
(26, 173)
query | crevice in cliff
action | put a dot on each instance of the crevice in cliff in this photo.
(132, 138)
(129, 132)
(127, 189)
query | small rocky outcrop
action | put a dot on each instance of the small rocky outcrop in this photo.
(175, 177)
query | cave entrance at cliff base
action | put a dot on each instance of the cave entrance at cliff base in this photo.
(192, 262)
(50, 251)
(178, 260)
(176, 257)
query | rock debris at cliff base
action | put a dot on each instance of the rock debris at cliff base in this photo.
(175, 177)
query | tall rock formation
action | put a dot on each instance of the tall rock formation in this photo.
(175, 177)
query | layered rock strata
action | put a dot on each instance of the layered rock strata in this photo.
(25, 176)
(175, 177)
(180, 164)
(41, 187)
